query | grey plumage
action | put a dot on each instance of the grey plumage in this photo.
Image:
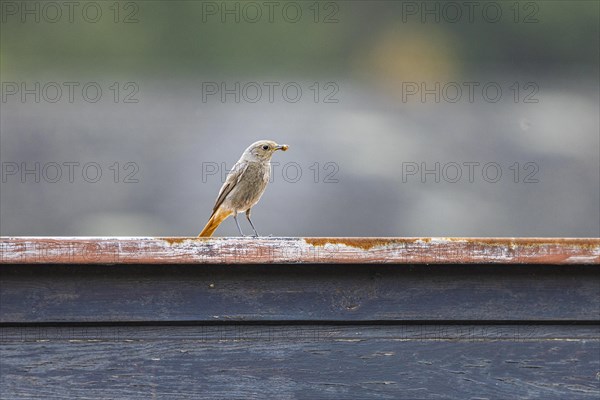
(244, 185)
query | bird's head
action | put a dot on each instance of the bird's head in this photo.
(263, 150)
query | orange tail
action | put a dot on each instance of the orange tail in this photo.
(214, 221)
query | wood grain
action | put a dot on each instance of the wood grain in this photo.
(289, 318)
(350, 362)
(118, 250)
(74, 293)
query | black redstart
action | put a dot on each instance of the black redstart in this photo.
(244, 185)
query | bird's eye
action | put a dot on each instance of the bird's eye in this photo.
(266, 147)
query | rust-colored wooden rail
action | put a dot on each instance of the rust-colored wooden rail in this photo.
(233, 250)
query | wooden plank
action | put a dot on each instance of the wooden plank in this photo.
(350, 362)
(119, 250)
(304, 332)
(71, 293)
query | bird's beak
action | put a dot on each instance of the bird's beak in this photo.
(282, 147)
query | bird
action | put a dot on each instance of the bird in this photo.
(244, 185)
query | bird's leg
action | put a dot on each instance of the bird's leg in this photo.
(251, 224)
(238, 225)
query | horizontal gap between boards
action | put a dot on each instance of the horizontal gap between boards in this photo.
(297, 323)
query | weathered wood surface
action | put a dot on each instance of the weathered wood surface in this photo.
(309, 362)
(115, 250)
(306, 332)
(72, 293)
(76, 322)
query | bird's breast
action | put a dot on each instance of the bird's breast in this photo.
(250, 186)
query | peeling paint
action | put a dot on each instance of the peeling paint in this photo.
(175, 240)
(184, 250)
(361, 243)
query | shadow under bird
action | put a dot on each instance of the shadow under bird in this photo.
(244, 186)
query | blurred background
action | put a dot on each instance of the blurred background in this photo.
(403, 118)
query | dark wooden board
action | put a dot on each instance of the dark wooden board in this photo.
(145, 328)
(38, 294)
(306, 362)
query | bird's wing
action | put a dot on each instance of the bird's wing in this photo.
(231, 181)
